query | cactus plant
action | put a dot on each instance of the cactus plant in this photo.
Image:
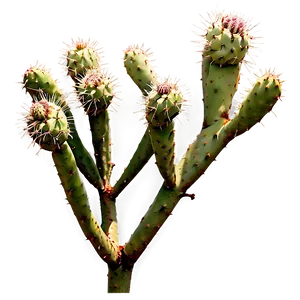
(50, 124)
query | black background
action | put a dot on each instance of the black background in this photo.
(36, 266)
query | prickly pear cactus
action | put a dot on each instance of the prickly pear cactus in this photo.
(50, 124)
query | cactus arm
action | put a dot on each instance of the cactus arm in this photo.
(157, 214)
(109, 217)
(209, 143)
(220, 87)
(162, 139)
(100, 130)
(258, 102)
(201, 153)
(140, 157)
(138, 67)
(76, 195)
(39, 83)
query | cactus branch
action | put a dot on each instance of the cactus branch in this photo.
(76, 195)
(140, 157)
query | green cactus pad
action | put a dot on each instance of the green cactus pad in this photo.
(47, 125)
(258, 102)
(38, 83)
(141, 155)
(227, 40)
(138, 67)
(162, 140)
(77, 197)
(80, 57)
(219, 86)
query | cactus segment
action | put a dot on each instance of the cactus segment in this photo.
(227, 40)
(258, 102)
(140, 157)
(109, 219)
(95, 92)
(38, 83)
(36, 80)
(119, 282)
(201, 153)
(212, 139)
(167, 101)
(100, 130)
(47, 125)
(80, 57)
(220, 86)
(77, 197)
(163, 146)
(138, 67)
(158, 212)
(162, 105)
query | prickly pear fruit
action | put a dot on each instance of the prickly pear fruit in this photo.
(77, 197)
(47, 125)
(219, 86)
(39, 83)
(138, 67)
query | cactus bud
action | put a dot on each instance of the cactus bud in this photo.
(47, 125)
(227, 40)
(80, 57)
(163, 104)
(95, 92)
(38, 83)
